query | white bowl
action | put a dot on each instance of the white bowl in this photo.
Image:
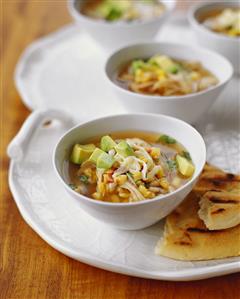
(227, 46)
(112, 35)
(135, 215)
(189, 107)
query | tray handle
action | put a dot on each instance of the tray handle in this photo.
(19, 143)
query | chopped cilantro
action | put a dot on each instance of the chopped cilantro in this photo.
(167, 139)
(147, 185)
(186, 155)
(83, 178)
(72, 186)
(171, 164)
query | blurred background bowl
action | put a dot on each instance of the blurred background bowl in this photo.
(189, 107)
(227, 46)
(112, 35)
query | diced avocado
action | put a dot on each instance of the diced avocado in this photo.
(124, 149)
(105, 161)
(185, 167)
(94, 156)
(81, 153)
(114, 14)
(137, 64)
(103, 10)
(112, 10)
(107, 143)
(162, 61)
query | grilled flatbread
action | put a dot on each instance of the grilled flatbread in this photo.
(220, 210)
(210, 168)
(211, 180)
(216, 233)
(186, 237)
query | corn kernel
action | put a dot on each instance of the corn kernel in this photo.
(234, 32)
(160, 74)
(164, 183)
(137, 176)
(160, 173)
(101, 188)
(115, 198)
(88, 172)
(142, 189)
(145, 192)
(176, 182)
(121, 179)
(151, 194)
(144, 159)
(194, 76)
(141, 76)
(97, 196)
(155, 152)
(124, 194)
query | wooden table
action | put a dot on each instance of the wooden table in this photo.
(30, 268)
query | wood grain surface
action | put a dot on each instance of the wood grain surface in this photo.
(29, 267)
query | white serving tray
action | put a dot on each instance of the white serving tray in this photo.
(56, 217)
(64, 71)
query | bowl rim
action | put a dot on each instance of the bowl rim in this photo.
(129, 204)
(170, 44)
(78, 15)
(194, 21)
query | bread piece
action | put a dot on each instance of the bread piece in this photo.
(186, 237)
(210, 168)
(220, 210)
(216, 180)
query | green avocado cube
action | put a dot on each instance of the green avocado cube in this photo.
(163, 62)
(81, 152)
(185, 167)
(124, 149)
(174, 69)
(94, 156)
(137, 64)
(105, 161)
(114, 14)
(107, 143)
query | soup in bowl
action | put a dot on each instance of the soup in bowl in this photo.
(170, 78)
(122, 11)
(130, 170)
(224, 21)
(165, 76)
(217, 26)
(129, 166)
(113, 24)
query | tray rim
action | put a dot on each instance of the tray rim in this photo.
(177, 275)
(27, 52)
